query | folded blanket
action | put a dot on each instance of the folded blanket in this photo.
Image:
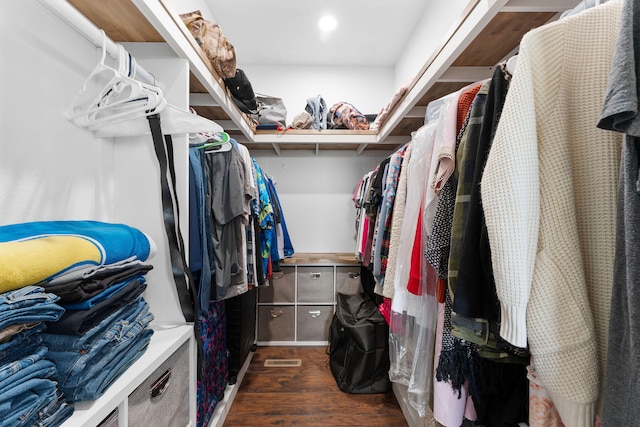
(36, 253)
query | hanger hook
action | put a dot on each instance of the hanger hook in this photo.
(104, 47)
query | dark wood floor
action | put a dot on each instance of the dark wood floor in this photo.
(305, 396)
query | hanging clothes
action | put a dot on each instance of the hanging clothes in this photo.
(386, 213)
(265, 223)
(474, 296)
(412, 317)
(452, 403)
(361, 219)
(200, 246)
(396, 226)
(549, 197)
(283, 247)
(250, 192)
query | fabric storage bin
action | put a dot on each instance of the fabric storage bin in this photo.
(276, 323)
(281, 289)
(315, 284)
(348, 280)
(163, 398)
(314, 322)
(110, 420)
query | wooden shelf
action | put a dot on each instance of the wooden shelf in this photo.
(500, 37)
(321, 258)
(487, 33)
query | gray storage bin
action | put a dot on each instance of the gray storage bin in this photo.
(281, 288)
(163, 398)
(314, 322)
(348, 280)
(110, 420)
(276, 323)
(315, 284)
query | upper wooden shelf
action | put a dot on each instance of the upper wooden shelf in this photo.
(488, 32)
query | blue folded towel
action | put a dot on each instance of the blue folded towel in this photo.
(35, 253)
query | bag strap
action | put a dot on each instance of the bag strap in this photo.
(185, 285)
(181, 275)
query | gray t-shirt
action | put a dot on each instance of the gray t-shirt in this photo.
(620, 113)
(227, 197)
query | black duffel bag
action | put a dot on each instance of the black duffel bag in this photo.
(359, 346)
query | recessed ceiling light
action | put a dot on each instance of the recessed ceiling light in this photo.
(327, 23)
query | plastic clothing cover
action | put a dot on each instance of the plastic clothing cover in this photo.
(414, 316)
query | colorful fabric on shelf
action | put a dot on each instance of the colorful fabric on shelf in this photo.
(36, 253)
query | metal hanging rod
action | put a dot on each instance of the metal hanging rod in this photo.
(81, 24)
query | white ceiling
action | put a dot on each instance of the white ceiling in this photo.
(277, 32)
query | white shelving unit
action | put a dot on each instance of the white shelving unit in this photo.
(297, 307)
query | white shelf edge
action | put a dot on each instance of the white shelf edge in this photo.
(317, 137)
(164, 342)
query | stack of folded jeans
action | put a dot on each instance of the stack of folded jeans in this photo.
(90, 361)
(29, 393)
(102, 332)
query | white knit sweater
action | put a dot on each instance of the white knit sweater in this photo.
(549, 198)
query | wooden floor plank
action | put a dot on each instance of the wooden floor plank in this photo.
(305, 395)
(373, 420)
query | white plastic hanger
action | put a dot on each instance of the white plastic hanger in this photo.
(118, 97)
(125, 99)
(111, 103)
(511, 64)
(102, 77)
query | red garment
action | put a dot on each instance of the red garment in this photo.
(421, 271)
(441, 290)
(415, 273)
(385, 309)
(464, 104)
(365, 234)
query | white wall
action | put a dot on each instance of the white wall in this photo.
(315, 193)
(367, 88)
(429, 35)
(40, 175)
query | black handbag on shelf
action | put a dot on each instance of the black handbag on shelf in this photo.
(242, 92)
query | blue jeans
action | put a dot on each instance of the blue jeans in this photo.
(106, 371)
(13, 369)
(19, 404)
(85, 363)
(28, 304)
(204, 227)
(53, 414)
(22, 344)
(40, 369)
(25, 386)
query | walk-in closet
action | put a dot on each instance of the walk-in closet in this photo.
(365, 213)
